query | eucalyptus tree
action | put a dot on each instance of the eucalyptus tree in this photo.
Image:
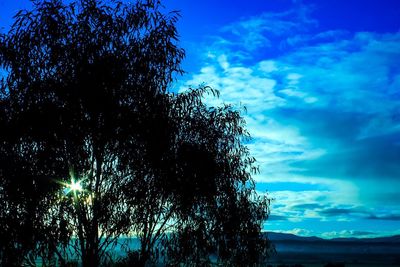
(95, 146)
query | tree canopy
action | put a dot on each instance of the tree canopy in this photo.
(95, 146)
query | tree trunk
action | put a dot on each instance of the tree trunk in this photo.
(144, 254)
(90, 259)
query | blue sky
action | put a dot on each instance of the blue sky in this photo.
(321, 84)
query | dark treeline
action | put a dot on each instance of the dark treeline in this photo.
(95, 146)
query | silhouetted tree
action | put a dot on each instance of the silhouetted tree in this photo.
(94, 144)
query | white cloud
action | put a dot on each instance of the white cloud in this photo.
(255, 32)
(339, 234)
(223, 62)
(349, 233)
(334, 71)
(269, 66)
(275, 144)
(297, 231)
(356, 71)
(302, 205)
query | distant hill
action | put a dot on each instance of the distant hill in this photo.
(292, 250)
(291, 237)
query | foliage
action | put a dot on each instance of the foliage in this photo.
(85, 98)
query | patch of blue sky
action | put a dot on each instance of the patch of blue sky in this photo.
(268, 187)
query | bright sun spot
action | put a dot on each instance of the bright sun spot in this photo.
(75, 186)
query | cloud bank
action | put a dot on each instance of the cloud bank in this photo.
(323, 110)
